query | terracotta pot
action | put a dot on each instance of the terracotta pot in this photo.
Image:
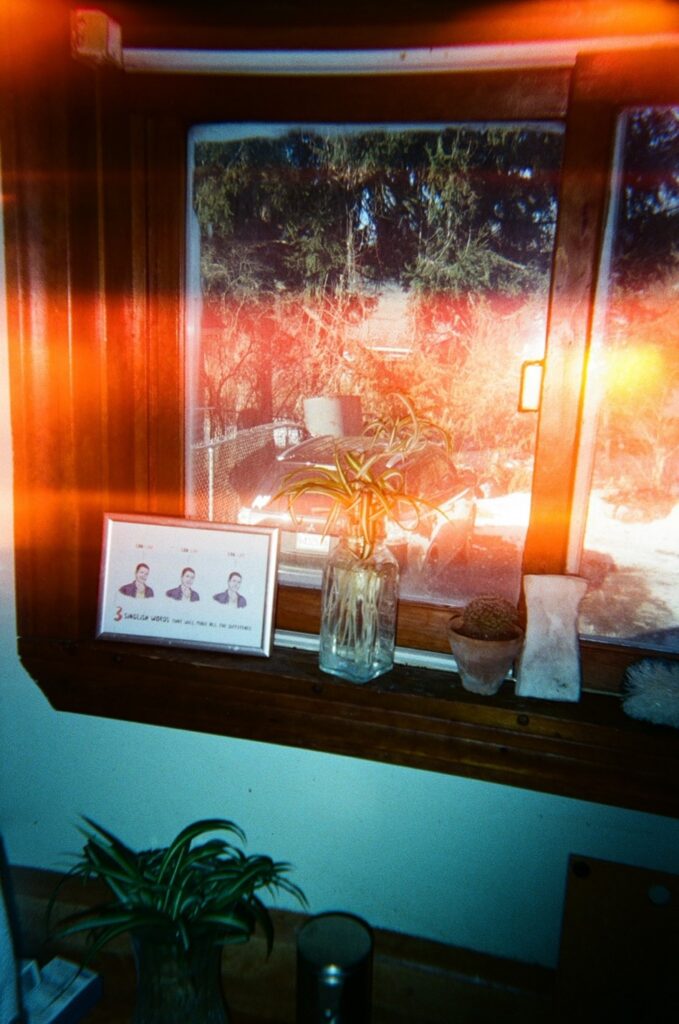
(482, 664)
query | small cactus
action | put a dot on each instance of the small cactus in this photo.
(489, 617)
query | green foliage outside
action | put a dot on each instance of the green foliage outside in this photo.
(305, 232)
(302, 233)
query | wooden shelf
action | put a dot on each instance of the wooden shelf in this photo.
(410, 716)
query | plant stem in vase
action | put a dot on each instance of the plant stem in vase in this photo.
(363, 487)
(358, 612)
(177, 984)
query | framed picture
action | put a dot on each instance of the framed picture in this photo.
(188, 583)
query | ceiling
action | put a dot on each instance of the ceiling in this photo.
(374, 23)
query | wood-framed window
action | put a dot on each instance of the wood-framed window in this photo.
(97, 177)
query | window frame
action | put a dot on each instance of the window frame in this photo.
(533, 94)
(95, 309)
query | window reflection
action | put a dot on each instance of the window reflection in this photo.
(333, 267)
(631, 542)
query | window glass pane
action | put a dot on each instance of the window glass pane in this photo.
(631, 544)
(331, 267)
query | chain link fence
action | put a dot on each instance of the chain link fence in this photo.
(224, 469)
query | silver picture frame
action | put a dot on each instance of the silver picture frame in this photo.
(188, 583)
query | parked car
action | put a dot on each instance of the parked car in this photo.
(433, 539)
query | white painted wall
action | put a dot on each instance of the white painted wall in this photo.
(465, 862)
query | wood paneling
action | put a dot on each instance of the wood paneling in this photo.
(376, 23)
(619, 943)
(416, 717)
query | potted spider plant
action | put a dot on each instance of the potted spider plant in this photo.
(366, 484)
(181, 904)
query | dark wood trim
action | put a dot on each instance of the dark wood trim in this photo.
(368, 24)
(411, 716)
(539, 94)
(590, 132)
(425, 627)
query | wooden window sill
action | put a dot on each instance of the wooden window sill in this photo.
(417, 717)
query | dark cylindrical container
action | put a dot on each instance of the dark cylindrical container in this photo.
(334, 970)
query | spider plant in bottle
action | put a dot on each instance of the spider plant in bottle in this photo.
(181, 905)
(366, 485)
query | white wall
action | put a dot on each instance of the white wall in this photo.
(465, 862)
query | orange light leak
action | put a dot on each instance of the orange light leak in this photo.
(635, 482)
(562, 19)
(638, 370)
(638, 361)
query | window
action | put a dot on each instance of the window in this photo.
(95, 185)
(332, 268)
(631, 437)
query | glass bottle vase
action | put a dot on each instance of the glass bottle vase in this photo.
(176, 985)
(359, 603)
